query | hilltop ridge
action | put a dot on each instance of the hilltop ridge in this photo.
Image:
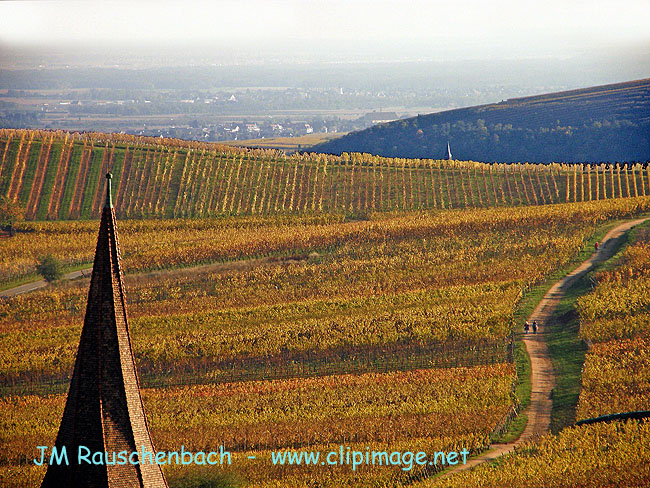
(605, 123)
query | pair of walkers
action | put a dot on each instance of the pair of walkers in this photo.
(527, 327)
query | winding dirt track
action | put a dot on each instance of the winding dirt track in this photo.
(543, 377)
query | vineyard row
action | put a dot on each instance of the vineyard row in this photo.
(58, 176)
(384, 358)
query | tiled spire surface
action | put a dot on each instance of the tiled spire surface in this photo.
(104, 409)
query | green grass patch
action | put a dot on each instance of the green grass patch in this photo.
(115, 168)
(174, 184)
(8, 166)
(92, 183)
(48, 183)
(70, 181)
(565, 347)
(23, 280)
(30, 171)
(567, 354)
(32, 277)
(523, 391)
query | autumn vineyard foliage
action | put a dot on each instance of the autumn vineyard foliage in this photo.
(407, 279)
(434, 406)
(615, 319)
(58, 175)
(309, 301)
(615, 379)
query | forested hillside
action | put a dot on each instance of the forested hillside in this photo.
(608, 123)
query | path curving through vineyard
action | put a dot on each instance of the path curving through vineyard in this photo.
(542, 375)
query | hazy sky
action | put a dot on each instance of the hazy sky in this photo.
(476, 28)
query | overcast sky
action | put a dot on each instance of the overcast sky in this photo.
(474, 28)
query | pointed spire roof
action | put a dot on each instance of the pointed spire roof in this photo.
(104, 409)
(449, 156)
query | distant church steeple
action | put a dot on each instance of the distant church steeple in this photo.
(104, 409)
(449, 156)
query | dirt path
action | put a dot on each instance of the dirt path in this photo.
(241, 265)
(543, 377)
(35, 285)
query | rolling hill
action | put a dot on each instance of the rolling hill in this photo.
(599, 124)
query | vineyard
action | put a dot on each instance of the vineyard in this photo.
(614, 321)
(407, 279)
(312, 301)
(393, 331)
(57, 176)
(598, 455)
(445, 408)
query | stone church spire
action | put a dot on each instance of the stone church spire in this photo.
(104, 411)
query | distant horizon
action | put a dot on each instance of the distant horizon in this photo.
(327, 31)
(325, 64)
(122, 54)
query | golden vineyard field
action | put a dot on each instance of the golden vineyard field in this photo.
(614, 319)
(444, 408)
(615, 379)
(393, 280)
(58, 176)
(414, 277)
(313, 301)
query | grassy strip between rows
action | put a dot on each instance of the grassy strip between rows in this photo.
(567, 354)
(566, 350)
(565, 347)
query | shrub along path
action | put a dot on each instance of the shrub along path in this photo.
(239, 265)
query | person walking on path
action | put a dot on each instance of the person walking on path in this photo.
(543, 378)
(526, 327)
(534, 326)
(596, 246)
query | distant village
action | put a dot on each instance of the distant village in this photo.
(243, 130)
(196, 116)
(240, 131)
